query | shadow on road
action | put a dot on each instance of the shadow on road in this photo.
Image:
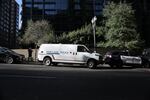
(104, 67)
(98, 67)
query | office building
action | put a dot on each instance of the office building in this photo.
(64, 15)
(67, 15)
(9, 21)
(143, 15)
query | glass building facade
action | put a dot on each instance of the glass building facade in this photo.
(9, 22)
(145, 19)
(64, 15)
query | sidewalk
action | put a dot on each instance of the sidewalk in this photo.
(25, 53)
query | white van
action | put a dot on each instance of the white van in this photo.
(68, 53)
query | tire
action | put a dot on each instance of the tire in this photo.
(146, 65)
(91, 64)
(47, 61)
(119, 65)
(111, 65)
(9, 60)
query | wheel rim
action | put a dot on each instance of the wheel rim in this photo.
(10, 60)
(47, 62)
(91, 64)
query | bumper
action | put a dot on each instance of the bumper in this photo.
(107, 61)
(101, 61)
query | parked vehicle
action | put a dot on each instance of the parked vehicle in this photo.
(9, 56)
(146, 56)
(68, 53)
(120, 58)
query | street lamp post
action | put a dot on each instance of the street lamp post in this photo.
(94, 30)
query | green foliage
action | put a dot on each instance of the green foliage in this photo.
(81, 36)
(120, 27)
(100, 33)
(63, 39)
(38, 32)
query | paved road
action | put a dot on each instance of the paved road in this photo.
(39, 82)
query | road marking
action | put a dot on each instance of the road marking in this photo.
(24, 76)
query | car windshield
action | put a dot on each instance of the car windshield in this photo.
(7, 50)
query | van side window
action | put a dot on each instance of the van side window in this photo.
(81, 49)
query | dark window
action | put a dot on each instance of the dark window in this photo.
(124, 53)
(49, 0)
(115, 53)
(52, 12)
(38, 6)
(38, 0)
(77, 7)
(82, 49)
(29, 5)
(50, 6)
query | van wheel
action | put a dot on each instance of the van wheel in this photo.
(9, 60)
(47, 61)
(91, 64)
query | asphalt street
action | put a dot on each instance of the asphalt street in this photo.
(39, 82)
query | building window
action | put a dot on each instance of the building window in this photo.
(51, 12)
(38, 1)
(49, 6)
(29, 1)
(77, 1)
(39, 6)
(49, 0)
(77, 7)
(98, 7)
(29, 5)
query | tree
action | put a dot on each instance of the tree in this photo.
(63, 38)
(120, 26)
(81, 36)
(38, 32)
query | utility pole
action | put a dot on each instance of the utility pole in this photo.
(93, 21)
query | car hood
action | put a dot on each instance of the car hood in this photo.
(17, 54)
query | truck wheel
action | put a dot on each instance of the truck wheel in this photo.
(9, 60)
(47, 61)
(91, 64)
